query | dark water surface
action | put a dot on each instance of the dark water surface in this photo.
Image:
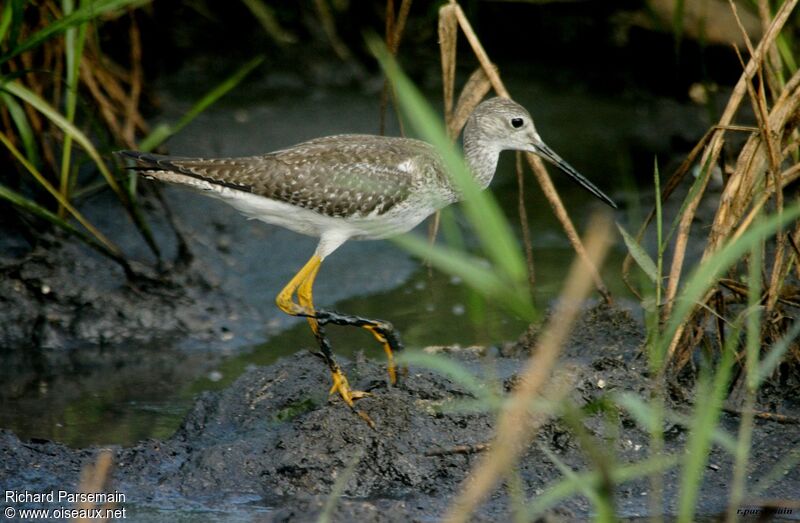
(148, 395)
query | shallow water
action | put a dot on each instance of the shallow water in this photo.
(148, 394)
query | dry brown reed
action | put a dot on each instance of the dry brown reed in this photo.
(95, 479)
(114, 89)
(540, 381)
(395, 26)
(763, 168)
(451, 17)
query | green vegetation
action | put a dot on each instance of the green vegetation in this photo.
(54, 126)
(751, 222)
(64, 106)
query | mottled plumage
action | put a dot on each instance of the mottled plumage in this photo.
(337, 176)
(352, 185)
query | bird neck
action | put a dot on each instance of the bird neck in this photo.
(481, 154)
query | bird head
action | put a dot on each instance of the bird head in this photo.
(508, 126)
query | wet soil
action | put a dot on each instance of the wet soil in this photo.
(272, 446)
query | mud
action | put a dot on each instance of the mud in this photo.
(56, 299)
(272, 445)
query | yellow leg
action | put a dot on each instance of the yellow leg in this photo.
(341, 386)
(302, 284)
(305, 295)
(390, 367)
(284, 299)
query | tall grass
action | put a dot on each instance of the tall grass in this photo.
(750, 222)
(56, 86)
(757, 182)
(506, 278)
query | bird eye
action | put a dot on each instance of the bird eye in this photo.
(516, 123)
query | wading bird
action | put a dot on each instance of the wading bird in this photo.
(351, 186)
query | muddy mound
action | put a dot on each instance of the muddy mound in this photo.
(276, 433)
(64, 296)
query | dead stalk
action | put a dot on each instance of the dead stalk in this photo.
(136, 81)
(448, 27)
(768, 137)
(523, 220)
(329, 27)
(476, 88)
(534, 161)
(738, 192)
(516, 424)
(717, 234)
(395, 25)
(94, 479)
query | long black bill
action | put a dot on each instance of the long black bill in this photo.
(546, 152)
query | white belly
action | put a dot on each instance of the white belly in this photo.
(398, 220)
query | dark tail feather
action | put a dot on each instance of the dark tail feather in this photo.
(147, 160)
(151, 165)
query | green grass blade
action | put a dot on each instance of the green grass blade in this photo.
(753, 323)
(451, 232)
(569, 487)
(640, 256)
(157, 136)
(163, 132)
(655, 358)
(326, 516)
(644, 414)
(66, 126)
(711, 392)
(5, 20)
(572, 476)
(480, 207)
(142, 226)
(451, 369)
(81, 139)
(24, 130)
(753, 319)
(52, 190)
(697, 185)
(678, 22)
(775, 354)
(662, 246)
(788, 462)
(87, 12)
(485, 280)
(265, 15)
(649, 418)
(17, 20)
(788, 56)
(73, 49)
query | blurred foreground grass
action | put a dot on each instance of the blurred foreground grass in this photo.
(754, 228)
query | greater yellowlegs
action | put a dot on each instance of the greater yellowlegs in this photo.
(351, 186)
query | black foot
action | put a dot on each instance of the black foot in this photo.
(383, 331)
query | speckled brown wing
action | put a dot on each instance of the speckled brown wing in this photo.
(339, 176)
